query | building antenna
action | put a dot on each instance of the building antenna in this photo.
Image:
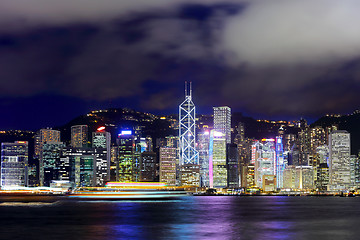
(190, 89)
(185, 88)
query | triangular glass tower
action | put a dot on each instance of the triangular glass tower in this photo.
(187, 126)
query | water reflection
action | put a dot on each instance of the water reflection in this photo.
(192, 218)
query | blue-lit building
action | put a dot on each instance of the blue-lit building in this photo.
(280, 162)
(203, 149)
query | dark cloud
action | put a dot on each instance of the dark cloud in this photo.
(276, 58)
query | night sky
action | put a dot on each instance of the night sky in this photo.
(276, 59)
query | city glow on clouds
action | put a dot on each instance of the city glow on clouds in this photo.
(28, 13)
(266, 32)
(269, 56)
(295, 32)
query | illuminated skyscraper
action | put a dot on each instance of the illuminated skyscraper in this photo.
(43, 136)
(280, 162)
(50, 162)
(14, 164)
(217, 160)
(317, 138)
(203, 149)
(190, 175)
(289, 177)
(304, 177)
(265, 160)
(125, 162)
(148, 144)
(322, 178)
(79, 136)
(168, 165)
(148, 167)
(339, 161)
(188, 153)
(232, 163)
(101, 143)
(82, 163)
(222, 121)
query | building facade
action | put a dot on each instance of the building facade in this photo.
(168, 165)
(222, 121)
(14, 164)
(339, 161)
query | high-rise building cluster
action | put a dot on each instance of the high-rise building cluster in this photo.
(216, 155)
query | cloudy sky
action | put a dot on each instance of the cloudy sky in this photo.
(278, 59)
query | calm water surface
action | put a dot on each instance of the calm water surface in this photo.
(218, 217)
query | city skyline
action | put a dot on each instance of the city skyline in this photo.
(242, 54)
(99, 138)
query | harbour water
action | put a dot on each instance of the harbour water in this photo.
(203, 217)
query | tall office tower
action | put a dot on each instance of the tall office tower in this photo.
(265, 160)
(172, 141)
(322, 177)
(294, 155)
(323, 154)
(64, 169)
(43, 136)
(82, 163)
(113, 162)
(289, 177)
(303, 142)
(126, 151)
(328, 131)
(217, 160)
(339, 161)
(148, 167)
(14, 164)
(304, 177)
(357, 172)
(187, 126)
(203, 149)
(33, 179)
(142, 145)
(354, 171)
(288, 141)
(168, 165)
(232, 163)
(83, 171)
(50, 162)
(241, 131)
(317, 138)
(190, 175)
(222, 121)
(149, 144)
(280, 162)
(101, 141)
(79, 136)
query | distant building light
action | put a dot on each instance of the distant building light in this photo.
(126, 132)
(102, 128)
(268, 140)
(218, 134)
